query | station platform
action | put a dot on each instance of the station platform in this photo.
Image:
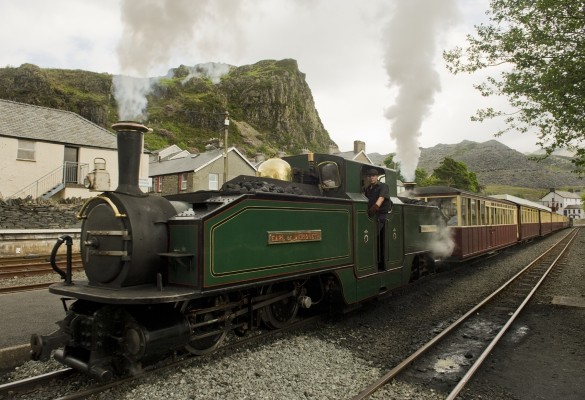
(23, 314)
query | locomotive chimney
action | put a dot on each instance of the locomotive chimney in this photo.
(130, 142)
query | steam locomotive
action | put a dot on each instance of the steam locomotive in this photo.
(177, 273)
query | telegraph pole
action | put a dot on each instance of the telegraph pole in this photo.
(226, 124)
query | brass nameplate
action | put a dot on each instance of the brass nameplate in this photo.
(428, 228)
(282, 237)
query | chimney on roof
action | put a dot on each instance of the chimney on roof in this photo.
(358, 146)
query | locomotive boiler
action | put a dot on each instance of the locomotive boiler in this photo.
(177, 273)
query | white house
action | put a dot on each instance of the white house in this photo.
(47, 153)
(559, 200)
(574, 211)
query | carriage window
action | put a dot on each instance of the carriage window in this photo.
(473, 211)
(464, 207)
(448, 208)
(482, 216)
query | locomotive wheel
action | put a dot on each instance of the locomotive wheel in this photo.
(279, 314)
(207, 344)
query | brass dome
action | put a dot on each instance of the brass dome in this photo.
(275, 168)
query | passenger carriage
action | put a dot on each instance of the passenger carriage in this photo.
(530, 215)
(479, 224)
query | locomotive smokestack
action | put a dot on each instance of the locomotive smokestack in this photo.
(130, 142)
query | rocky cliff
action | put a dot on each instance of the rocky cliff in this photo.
(270, 104)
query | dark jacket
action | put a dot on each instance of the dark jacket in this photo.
(380, 189)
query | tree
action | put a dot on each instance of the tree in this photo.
(454, 173)
(540, 44)
(422, 178)
(391, 164)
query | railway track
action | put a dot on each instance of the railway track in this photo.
(462, 344)
(11, 267)
(58, 378)
(24, 288)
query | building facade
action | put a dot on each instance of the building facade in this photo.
(47, 153)
(184, 172)
(563, 202)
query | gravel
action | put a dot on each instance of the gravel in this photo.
(339, 357)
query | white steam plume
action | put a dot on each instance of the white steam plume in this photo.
(213, 71)
(412, 38)
(155, 31)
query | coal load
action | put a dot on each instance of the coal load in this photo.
(260, 186)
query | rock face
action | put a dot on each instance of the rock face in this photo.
(85, 93)
(275, 97)
(270, 98)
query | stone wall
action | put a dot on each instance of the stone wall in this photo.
(39, 214)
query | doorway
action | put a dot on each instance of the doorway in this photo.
(71, 164)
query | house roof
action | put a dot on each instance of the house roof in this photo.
(563, 194)
(194, 163)
(25, 121)
(167, 152)
(351, 155)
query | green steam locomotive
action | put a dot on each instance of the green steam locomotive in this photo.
(167, 274)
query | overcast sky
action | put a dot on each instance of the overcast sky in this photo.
(354, 54)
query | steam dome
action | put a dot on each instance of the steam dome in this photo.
(275, 168)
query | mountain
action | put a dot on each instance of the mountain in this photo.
(496, 164)
(270, 104)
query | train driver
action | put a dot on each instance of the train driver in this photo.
(378, 196)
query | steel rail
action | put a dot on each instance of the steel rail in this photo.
(25, 383)
(25, 288)
(373, 387)
(473, 369)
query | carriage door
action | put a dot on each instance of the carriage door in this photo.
(70, 164)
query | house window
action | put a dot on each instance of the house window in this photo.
(213, 181)
(26, 150)
(182, 182)
(158, 184)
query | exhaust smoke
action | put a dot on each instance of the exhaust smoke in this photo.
(155, 31)
(412, 37)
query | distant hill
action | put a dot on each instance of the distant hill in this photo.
(497, 164)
